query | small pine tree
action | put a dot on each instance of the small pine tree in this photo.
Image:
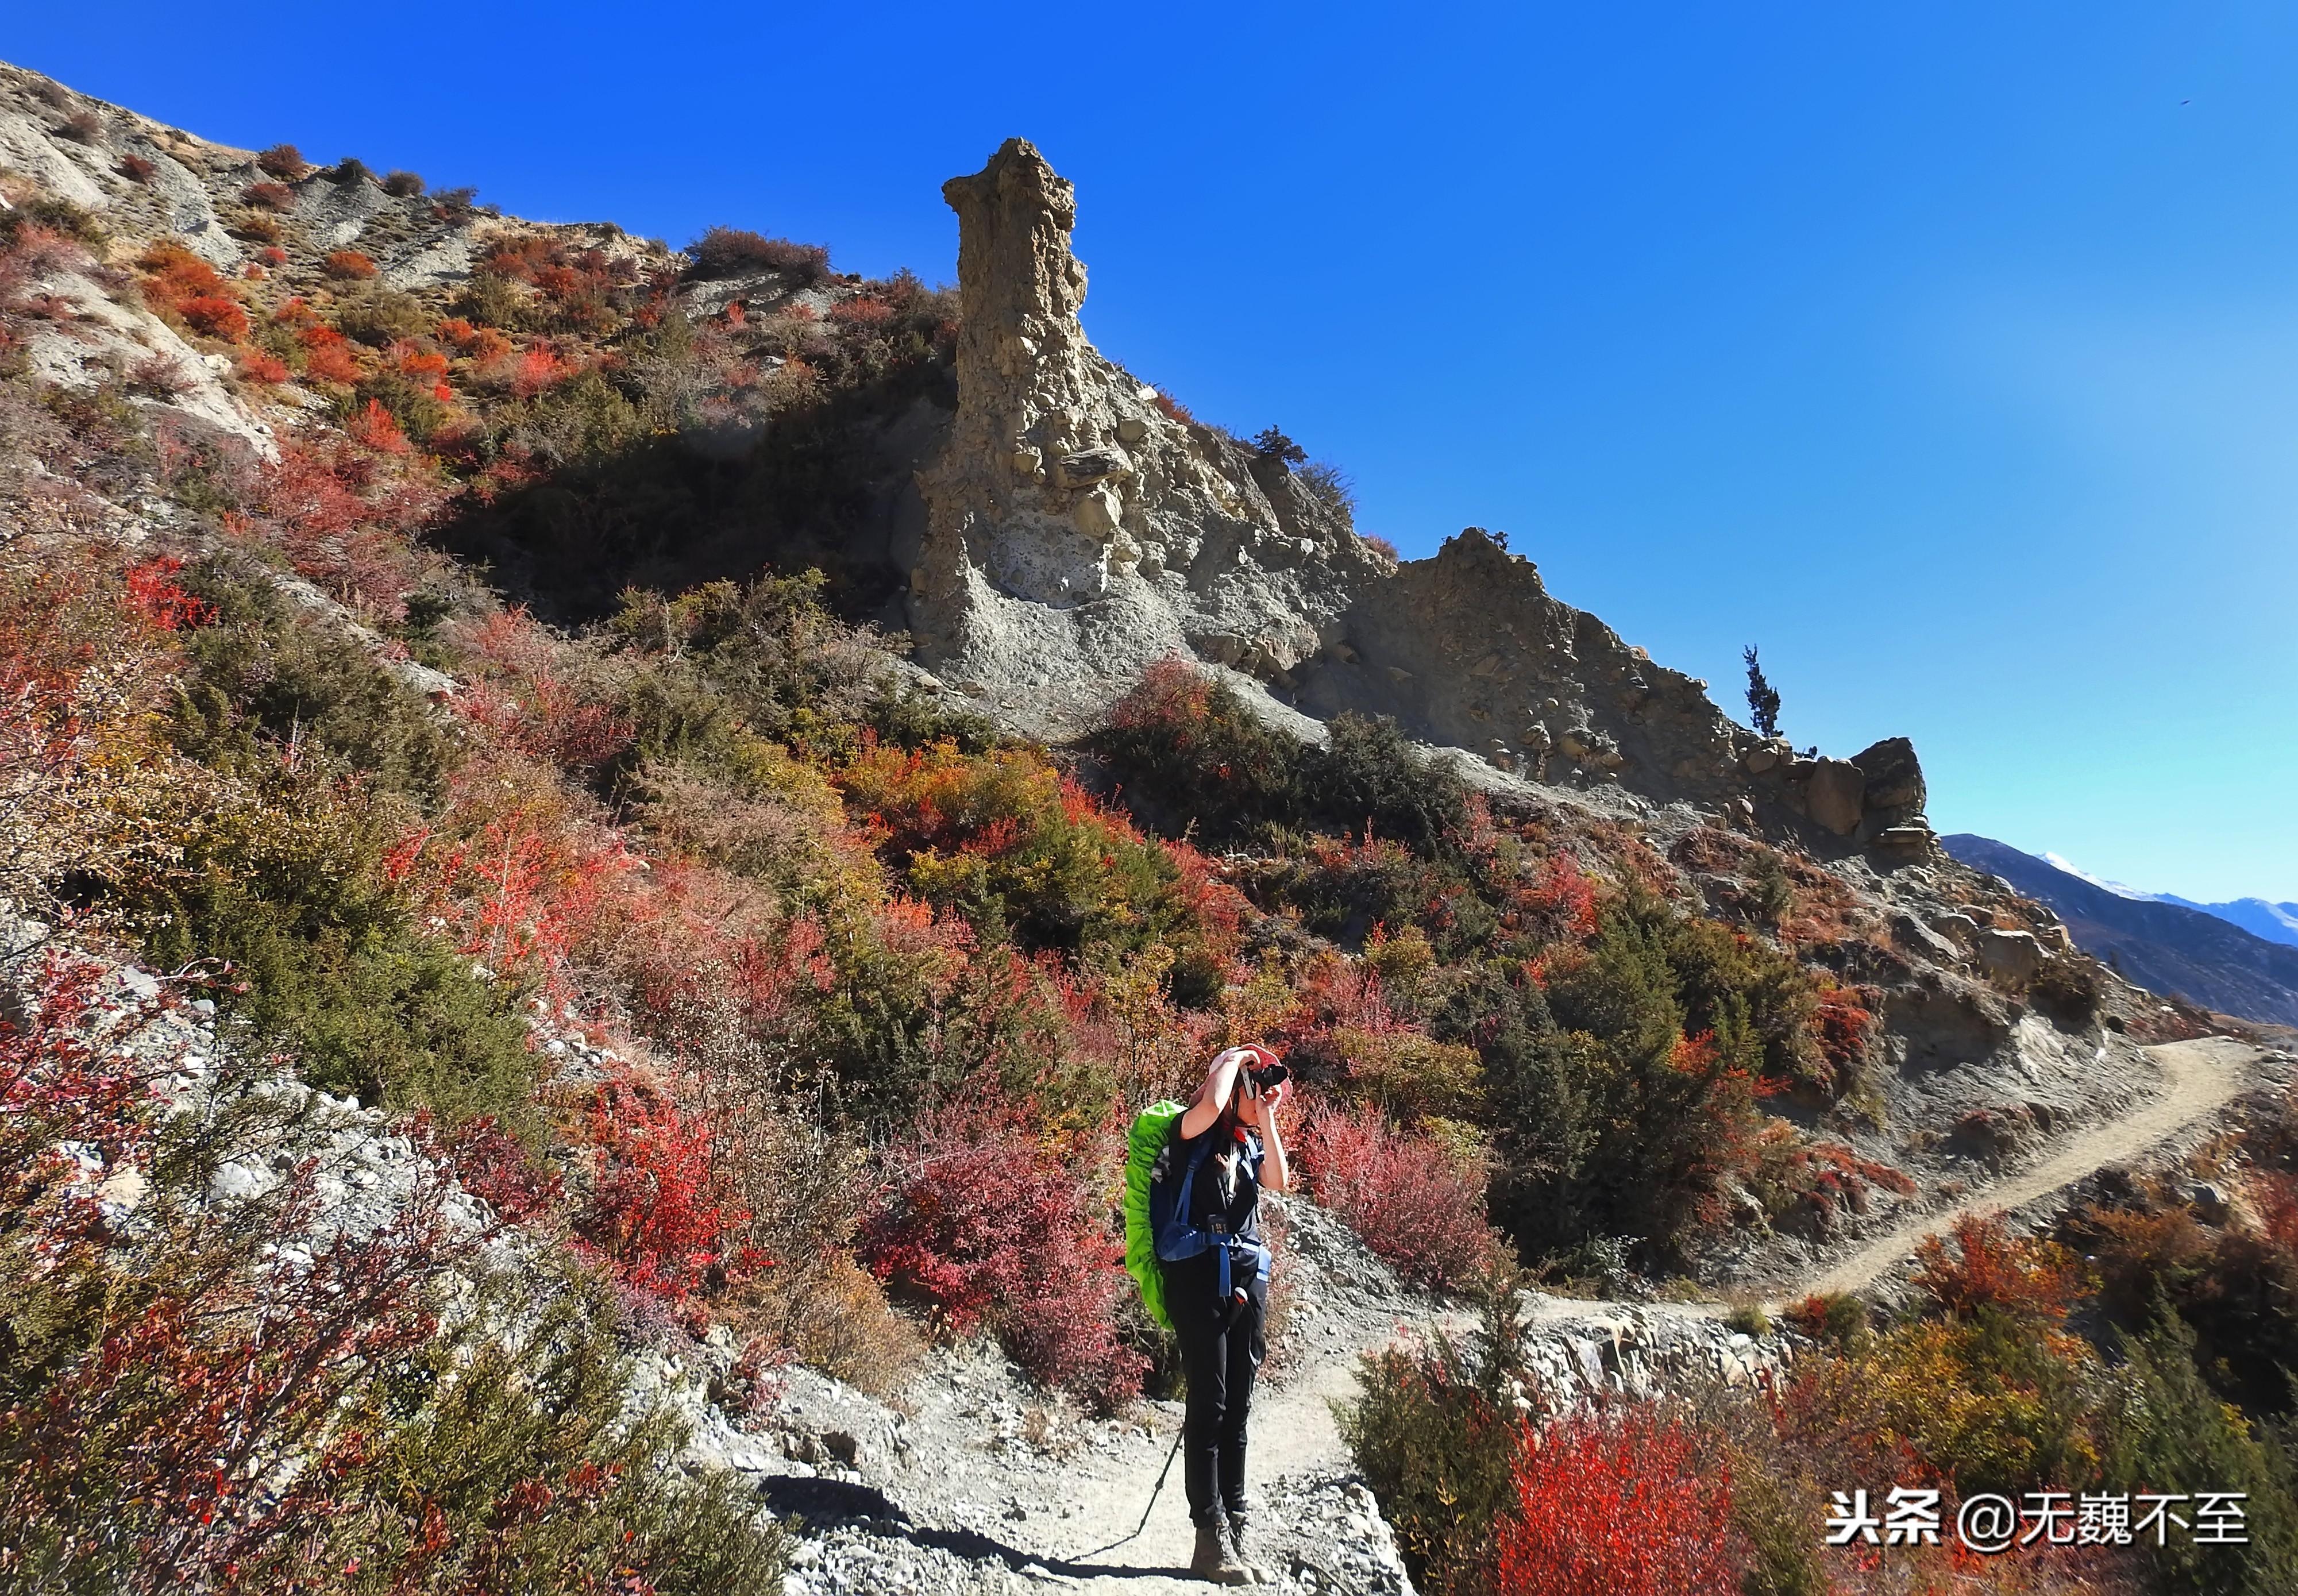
(1762, 697)
(1274, 445)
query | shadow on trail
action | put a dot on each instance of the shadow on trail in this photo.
(828, 1504)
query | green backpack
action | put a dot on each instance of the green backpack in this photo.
(1151, 1133)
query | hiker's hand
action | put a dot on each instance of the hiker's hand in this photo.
(1274, 1097)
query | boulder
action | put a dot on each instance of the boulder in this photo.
(2012, 955)
(1835, 794)
(1904, 844)
(1894, 776)
(1915, 937)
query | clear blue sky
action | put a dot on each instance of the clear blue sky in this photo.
(1949, 352)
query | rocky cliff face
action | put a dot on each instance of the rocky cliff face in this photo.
(1077, 529)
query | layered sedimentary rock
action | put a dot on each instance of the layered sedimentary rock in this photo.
(1075, 528)
(1079, 527)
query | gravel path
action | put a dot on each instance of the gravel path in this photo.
(2200, 1077)
(979, 1513)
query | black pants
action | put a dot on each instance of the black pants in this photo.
(1220, 1354)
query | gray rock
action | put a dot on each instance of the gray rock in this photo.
(1836, 795)
(2010, 955)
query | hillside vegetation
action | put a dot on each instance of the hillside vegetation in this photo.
(488, 725)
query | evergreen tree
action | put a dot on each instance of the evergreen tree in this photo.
(1762, 697)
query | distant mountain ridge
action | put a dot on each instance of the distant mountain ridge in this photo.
(2276, 923)
(2273, 922)
(2199, 952)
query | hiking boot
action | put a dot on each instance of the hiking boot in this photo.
(1215, 1560)
(1240, 1547)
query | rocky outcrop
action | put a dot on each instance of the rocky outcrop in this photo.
(1077, 527)
(1469, 650)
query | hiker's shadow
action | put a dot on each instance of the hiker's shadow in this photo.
(826, 1504)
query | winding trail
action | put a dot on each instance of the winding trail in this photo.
(2201, 1077)
(1097, 1501)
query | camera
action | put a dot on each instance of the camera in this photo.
(1263, 1077)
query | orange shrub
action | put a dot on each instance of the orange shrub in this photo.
(268, 196)
(215, 315)
(348, 266)
(177, 283)
(328, 356)
(2028, 1280)
(257, 367)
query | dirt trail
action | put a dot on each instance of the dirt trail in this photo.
(2200, 1077)
(1294, 1437)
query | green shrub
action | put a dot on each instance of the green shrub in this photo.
(1836, 1318)
(495, 302)
(2169, 1432)
(1194, 755)
(420, 412)
(1368, 778)
(378, 316)
(55, 213)
(264, 676)
(282, 880)
(1435, 1431)
(529, 1465)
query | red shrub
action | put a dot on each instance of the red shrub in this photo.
(1565, 901)
(175, 279)
(136, 169)
(1841, 1024)
(152, 589)
(492, 1165)
(2030, 1280)
(1173, 408)
(655, 1211)
(257, 367)
(730, 252)
(377, 429)
(1617, 1505)
(274, 256)
(539, 368)
(268, 196)
(1415, 1202)
(177, 1364)
(862, 312)
(993, 1229)
(548, 721)
(348, 266)
(214, 315)
(284, 160)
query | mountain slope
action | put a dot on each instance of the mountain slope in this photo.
(2269, 922)
(2167, 946)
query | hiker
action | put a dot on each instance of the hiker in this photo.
(1220, 1333)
